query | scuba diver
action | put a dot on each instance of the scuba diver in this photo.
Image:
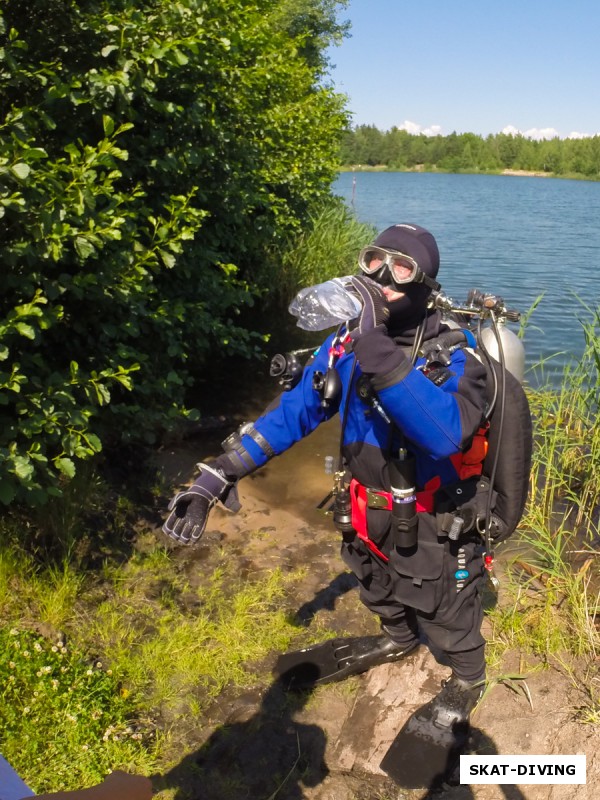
(411, 497)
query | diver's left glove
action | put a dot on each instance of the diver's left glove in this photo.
(375, 351)
(190, 508)
(374, 312)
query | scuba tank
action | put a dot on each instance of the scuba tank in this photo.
(512, 348)
(497, 340)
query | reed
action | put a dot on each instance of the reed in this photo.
(327, 248)
(553, 598)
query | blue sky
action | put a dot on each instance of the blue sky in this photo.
(438, 66)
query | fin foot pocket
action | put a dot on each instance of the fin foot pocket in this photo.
(337, 659)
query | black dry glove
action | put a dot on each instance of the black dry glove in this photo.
(190, 508)
(375, 311)
(376, 353)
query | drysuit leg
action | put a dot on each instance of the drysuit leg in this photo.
(429, 744)
(398, 622)
(455, 627)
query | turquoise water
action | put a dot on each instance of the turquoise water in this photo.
(518, 237)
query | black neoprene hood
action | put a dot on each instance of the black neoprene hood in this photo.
(415, 242)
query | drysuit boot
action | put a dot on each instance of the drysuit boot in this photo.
(337, 659)
(429, 745)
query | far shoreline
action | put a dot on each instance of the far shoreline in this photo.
(519, 173)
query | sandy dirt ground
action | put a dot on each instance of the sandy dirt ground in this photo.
(328, 744)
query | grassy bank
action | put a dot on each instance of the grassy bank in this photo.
(102, 670)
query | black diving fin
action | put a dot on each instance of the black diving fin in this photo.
(337, 659)
(428, 748)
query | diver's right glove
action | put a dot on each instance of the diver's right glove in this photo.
(190, 508)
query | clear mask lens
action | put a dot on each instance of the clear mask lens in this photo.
(402, 268)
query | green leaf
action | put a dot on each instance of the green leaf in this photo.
(66, 466)
(102, 394)
(23, 468)
(108, 124)
(173, 377)
(84, 247)
(168, 259)
(94, 442)
(7, 492)
(181, 58)
(21, 170)
(25, 330)
(106, 51)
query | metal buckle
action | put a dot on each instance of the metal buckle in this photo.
(377, 500)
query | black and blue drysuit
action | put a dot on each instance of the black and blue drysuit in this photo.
(415, 594)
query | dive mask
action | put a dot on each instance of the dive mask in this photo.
(401, 268)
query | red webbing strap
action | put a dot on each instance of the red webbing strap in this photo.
(425, 498)
(359, 505)
(358, 499)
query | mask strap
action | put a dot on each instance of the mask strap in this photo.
(421, 277)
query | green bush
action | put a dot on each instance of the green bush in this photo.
(152, 160)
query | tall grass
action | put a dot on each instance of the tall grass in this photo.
(555, 612)
(327, 248)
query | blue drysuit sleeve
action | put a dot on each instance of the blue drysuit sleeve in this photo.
(294, 414)
(440, 420)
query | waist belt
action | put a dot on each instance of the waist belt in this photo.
(376, 498)
(363, 498)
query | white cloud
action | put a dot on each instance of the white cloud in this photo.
(541, 133)
(576, 135)
(415, 128)
(545, 133)
(510, 130)
(532, 133)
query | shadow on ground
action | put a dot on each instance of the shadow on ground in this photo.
(269, 754)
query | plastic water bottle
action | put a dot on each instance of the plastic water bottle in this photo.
(328, 465)
(326, 305)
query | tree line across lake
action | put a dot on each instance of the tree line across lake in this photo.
(366, 145)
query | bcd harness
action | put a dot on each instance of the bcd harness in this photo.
(492, 475)
(459, 507)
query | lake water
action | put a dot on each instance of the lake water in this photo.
(517, 237)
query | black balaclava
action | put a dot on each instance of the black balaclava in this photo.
(420, 245)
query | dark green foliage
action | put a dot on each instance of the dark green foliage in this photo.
(397, 149)
(153, 157)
